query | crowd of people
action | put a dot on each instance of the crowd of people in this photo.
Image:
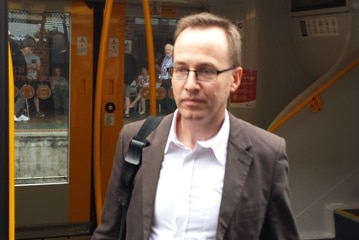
(29, 71)
(163, 67)
(142, 83)
(29, 76)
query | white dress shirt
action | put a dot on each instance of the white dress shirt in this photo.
(166, 63)
(190, 187)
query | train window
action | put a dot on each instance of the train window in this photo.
(303, 7)
(163, 30)
(40, 49)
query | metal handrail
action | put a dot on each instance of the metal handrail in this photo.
(316, 93)
(150, 55)
(98, 95)
(11, 149)
(97, 115)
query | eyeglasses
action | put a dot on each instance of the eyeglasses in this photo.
(202, 74)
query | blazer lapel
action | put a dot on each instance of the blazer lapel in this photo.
(237, 167)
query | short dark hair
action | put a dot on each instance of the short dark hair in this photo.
(28, 41)
(206, 20)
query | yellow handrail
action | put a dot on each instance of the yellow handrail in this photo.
(150, 55)
(316, 93)
(98, 94)
(11, 150)
(98, 115)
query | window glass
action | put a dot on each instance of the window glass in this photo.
(304, 5)
(40, 51)
(163, 30)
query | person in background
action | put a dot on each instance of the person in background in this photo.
(20, 77)
(60, 92)
(143, 80)
(59, 53)
(205, 174)
(168, 105)
(33, 67)
(130, 76)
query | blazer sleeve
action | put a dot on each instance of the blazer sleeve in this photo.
(110, 220)
(279, 222)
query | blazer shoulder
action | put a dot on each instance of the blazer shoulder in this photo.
(249, 135)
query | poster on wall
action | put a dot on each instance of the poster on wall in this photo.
(245, 95)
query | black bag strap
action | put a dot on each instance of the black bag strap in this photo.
(131, 165)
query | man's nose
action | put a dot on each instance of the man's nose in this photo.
(191, 79)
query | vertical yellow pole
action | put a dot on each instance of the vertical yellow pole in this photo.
(98, 114)
(11, 150)
(150, 55)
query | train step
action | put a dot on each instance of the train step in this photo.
(346, 224)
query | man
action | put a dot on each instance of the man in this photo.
(33, 67)
(205, 174)
(59, 54)
(166, 63)
(60, 92)
(59, 64)
(20, 74)
(168, 105)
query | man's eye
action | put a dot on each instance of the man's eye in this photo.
(206, 71)
(180, 70)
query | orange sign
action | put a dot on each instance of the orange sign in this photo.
(43, 92)
(145, 92)
(27, 91)
(168, 10)
(160, 93)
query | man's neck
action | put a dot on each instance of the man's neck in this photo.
(189, 132)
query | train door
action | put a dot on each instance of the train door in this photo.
(54, 128)
(53, 61)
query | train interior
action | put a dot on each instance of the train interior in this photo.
(301, 66)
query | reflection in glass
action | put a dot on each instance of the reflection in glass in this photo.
(40, 48)
(163, 30)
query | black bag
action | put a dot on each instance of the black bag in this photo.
(131, 165)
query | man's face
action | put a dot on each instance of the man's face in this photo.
(169, 50)
(57, 72)
(28, 50)
(58, 41)
(203, 48)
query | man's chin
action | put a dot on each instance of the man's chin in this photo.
(192, 114)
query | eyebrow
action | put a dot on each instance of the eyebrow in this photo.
(200, 65)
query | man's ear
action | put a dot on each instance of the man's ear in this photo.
(237, 76)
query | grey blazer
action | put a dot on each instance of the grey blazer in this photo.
(255, 199)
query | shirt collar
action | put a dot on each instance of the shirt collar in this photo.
(217, 143)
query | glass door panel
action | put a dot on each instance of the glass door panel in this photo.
(52, 48)
(40, 48)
